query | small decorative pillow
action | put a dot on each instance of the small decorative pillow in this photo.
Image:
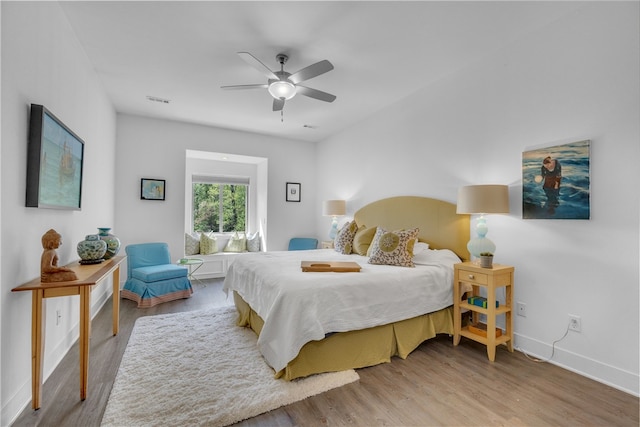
(253, 242)
(393, 247)
(362, 240)
(191, 244)
(208, 244)
(344, 239)
(236, 243)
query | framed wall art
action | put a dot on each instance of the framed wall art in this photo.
(293, 191)
(55, 157)
(152, 189)
(556, 182)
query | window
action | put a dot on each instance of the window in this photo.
(206, 167)
(220, 204)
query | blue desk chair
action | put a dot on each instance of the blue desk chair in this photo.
(302, 243)
(152, 278)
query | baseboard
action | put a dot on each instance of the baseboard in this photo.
(612, 376)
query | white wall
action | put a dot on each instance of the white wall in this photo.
(43, 63)
(149, 148)
(575, 79)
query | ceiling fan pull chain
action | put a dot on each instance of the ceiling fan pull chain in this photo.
(282, 115)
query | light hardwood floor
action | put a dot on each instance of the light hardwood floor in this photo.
(437, 385)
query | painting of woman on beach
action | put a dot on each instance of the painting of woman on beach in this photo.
(556, 182)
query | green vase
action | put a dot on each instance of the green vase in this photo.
(113, 243)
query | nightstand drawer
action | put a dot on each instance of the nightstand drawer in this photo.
(473, 277)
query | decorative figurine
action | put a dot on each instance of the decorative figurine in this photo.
(49, 270)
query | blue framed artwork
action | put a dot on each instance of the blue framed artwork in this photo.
(556, 182)
(152, 189)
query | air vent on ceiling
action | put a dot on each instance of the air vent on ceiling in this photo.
(160, 100)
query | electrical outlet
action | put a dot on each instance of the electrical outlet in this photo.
(521, 309)
(58, 316)
(575, 323)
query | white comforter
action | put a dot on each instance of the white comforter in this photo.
(298, 307)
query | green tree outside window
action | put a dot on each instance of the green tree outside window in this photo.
(219, 207)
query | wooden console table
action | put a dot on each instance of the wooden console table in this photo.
(88, 276)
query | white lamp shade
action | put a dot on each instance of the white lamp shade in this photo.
(334, 208)
(475, 199)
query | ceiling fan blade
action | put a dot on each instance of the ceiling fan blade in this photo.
(238, 87)
(278, 104)
(316, 94)
(311, 71)
(255, 63)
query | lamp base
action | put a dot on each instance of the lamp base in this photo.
(479, 245)
(334, 228)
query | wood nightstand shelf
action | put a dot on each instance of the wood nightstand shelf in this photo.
(491, 279)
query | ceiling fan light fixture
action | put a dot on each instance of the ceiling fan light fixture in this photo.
(282, 89)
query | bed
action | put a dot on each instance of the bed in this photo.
(309, 322)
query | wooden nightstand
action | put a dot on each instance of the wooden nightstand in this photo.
(326, 244)
(491, 279)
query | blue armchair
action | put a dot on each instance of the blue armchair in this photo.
(152, 278)
(302, 243)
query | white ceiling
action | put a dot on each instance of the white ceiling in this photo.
(382, 52)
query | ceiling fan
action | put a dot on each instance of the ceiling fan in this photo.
(283, 85)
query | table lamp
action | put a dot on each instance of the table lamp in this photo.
(482, 199)
(334, 209)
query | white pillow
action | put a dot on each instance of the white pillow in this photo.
(191, 244)
(420, 247)
(437, 257)
(253, 242)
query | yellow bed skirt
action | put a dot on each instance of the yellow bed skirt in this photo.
(355, 349)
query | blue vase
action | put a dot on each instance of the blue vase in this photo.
(91, 250)
(113, 243)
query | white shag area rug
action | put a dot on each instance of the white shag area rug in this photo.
(199, 368)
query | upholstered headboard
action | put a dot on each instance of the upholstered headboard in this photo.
(437, 220)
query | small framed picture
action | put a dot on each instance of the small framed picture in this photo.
(293, 191)
(152, 189)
